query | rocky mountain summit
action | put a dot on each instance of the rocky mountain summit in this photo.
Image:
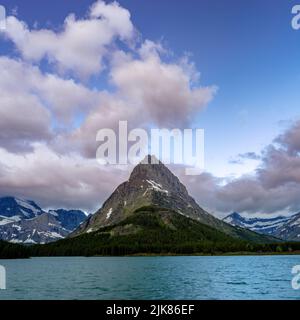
(152, 184)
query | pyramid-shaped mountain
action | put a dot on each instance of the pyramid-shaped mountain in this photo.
(153, 186)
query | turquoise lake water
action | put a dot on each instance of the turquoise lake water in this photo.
(226, 277)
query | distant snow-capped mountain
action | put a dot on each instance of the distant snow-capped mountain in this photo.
(23, 221)
(291, 230)
(283, 227)
(14, 208)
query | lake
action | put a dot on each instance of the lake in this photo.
(179, 277)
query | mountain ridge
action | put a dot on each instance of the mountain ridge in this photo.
(284, 227)
(23, 221)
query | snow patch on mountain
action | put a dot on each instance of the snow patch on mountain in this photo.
(157, 187)
(28, 205)
(109, 213)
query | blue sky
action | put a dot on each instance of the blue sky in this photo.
(247, 49)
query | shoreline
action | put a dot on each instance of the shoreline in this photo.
(229, 254)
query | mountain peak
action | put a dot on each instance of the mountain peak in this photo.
(152, 169)
(151, 184)
(150, 159)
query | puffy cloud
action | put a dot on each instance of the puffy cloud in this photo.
(65, 98)
(291, 139)
(82, 43)
(18, 127)
(32, 103)
(107, 114)
(149, 92)
(166, 92)
(55, 181)
(279, 168)
(23, 119)
(116, 18)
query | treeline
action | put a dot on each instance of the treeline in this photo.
(114, 249)
(278, 247)
(135, 247)
(92, 246)
(13, 251)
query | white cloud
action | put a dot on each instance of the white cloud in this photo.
(32, 102)
(81, 45)
(55, 181)
(23, 119)
(66, 98)
(148, 93)
(164, 91)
